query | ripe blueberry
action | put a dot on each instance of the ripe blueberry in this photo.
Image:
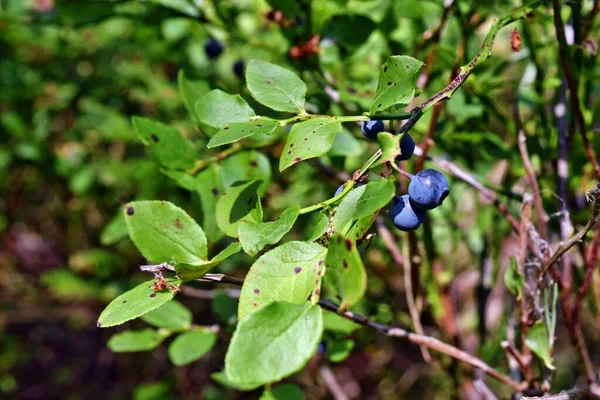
(322, 348)
(238, 68)
(371, 128)
(339, 190)
(428, 189)
(407, 147)
(404, 216)
(213, 48)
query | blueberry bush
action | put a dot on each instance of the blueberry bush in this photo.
(456, 259)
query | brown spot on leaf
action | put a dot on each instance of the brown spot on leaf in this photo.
(215, 192)
(177, 223)
(124, 301)
(297, 159)
(99, 325)
(297, 270)
(389, 83)
(255, 304)
(155, 138)
(225, 128)
(130, 210)
(291, 144)
(290, 152)
(152, 295)
(346, 266)
(349, 244)
(385, 68)
(257, 291)
(320, 263)
(253, 163)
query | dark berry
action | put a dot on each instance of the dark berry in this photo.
(404, 216)
(428, 189)
(213, 48)
(339, 190)
(371, 128)
(238, 68)
(322, 348)
(407, 147)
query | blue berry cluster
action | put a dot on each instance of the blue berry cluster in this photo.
(370, 129)
(426, 191)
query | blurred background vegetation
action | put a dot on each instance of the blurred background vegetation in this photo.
(72, 75)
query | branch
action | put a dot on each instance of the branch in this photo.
(387, 330)
(571, 394)
(572, 84)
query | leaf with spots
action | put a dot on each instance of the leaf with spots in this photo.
(163, 232)
(209, 187)
(397, 83)
(170, 148)
(132, 341)
(135, 303)
(273, 343)
(345, 274)
(239, 202)
(309, 139)
(189, 272)
(191, 346)
(246, 166)
(256, 235)
(172, 315)
(217, 109)
(275, 87)
(237, 131)
(286, 273)
(191, 91)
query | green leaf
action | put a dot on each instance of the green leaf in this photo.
(191, 91)
(340, 350)
(287, 391)
(345, 273)
(397, 83)
(187, 272)
(237, 203)
(538, 342)
(376, 196)
(170, 148)
(256, 235)
(361, 203)
(172, 315)
(163, 232)
(286, 273)
(512, 279)
(209, 187)
(336, 323)
(135, 303)
(346, 145)
(319, 227)
(191, 346)
(390, 147)
(130, 341)
(348, 30)
(222, 379)
(309, 139)
(272, 343)
(236, 131)
(114, 231)
(275, 87)
(217, 109)
(183, 6)
(288, 8)
(246, 166)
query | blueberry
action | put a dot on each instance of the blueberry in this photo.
(213, 48)
(371, 128)
(322, 348)
(339, 190)
(404, 216)
(407, 147)
(428, 189)
(238, 68)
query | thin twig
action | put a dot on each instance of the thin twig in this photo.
(332, 384)
(391, 331)
(571, 394)
(572, 84)
(542, 217)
